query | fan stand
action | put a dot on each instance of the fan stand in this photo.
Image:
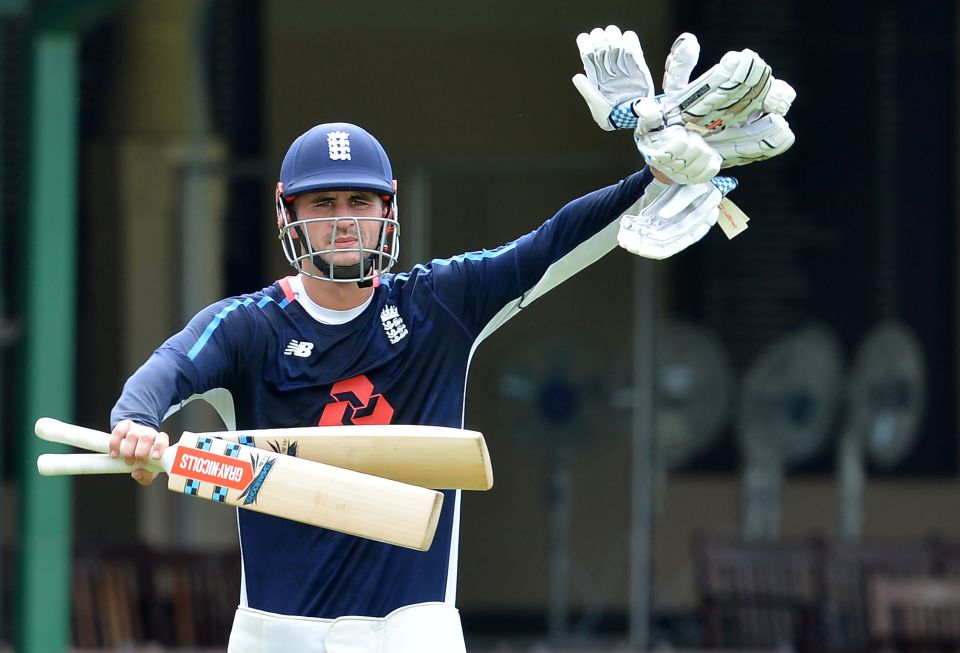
(786, 410)
(559, 500)
(885, 394)
(762, 498)
(556, 384)
(852, 480)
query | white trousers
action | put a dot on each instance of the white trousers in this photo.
(419, 628)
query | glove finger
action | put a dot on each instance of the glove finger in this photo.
(765, 128)
(779, 98)
(748, 82)
(584, 44)
(613, 39)
(633, 61)
(743, 67)
(685, 196)
(588, 57)
(598, 41)
(681, 61)
(635, 244)
(704, 169)
(614, 61)
(765, 138)
(598, 105)
(613, 34)
(783, 142)
(699, 161)
(691, 172)
(662, 149)
(729, 78)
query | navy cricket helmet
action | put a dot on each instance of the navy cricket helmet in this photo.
(337, 156)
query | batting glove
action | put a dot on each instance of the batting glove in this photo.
(761, 138)
(616, 82)
(757, 132)
(734, 91)
(678, 218)
(682, 155)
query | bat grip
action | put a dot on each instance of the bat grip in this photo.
(53, 430)
(72, 464)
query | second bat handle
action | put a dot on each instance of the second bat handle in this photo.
(71, 464)
(56, 431)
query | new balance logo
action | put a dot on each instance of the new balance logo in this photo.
(393, 324)
(339, 144)
(297, 348)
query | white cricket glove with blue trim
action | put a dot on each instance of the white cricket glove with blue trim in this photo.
(616, 82)
(724, 96)
(619, 91)
(761, 138)
(679, 217)
(754, 132)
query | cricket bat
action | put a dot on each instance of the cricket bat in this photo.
(429, 456)
(268, 482)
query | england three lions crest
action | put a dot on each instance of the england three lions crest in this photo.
(393, 324)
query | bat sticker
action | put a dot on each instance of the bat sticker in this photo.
(285, 447)
(209, 467)
(249, 495)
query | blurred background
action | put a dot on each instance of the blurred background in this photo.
(749, 446)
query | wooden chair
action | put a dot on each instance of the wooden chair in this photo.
(845, 571)
(106, 597)
(948, 557)
(915, 615)
(757, 594)
(194, 596)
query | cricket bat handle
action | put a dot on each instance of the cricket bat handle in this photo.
(53, 430)
(72, 464)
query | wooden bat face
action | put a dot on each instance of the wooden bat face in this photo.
(429, 456)
(309, 492)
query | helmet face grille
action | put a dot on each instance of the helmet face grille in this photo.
(316, 259)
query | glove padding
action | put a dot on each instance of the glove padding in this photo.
(764, 133)
(724, 96)
(683, 57)
(762, 138)
(682, 155)
(779, 98)
(616, 75)
(678, 218)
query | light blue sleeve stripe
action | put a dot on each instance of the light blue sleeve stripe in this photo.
(476, 256)
(469, 256)
(214, 323)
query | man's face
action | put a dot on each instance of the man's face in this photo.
(342, 234)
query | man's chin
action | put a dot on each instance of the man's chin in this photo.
(345, 261)
(339, 262)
